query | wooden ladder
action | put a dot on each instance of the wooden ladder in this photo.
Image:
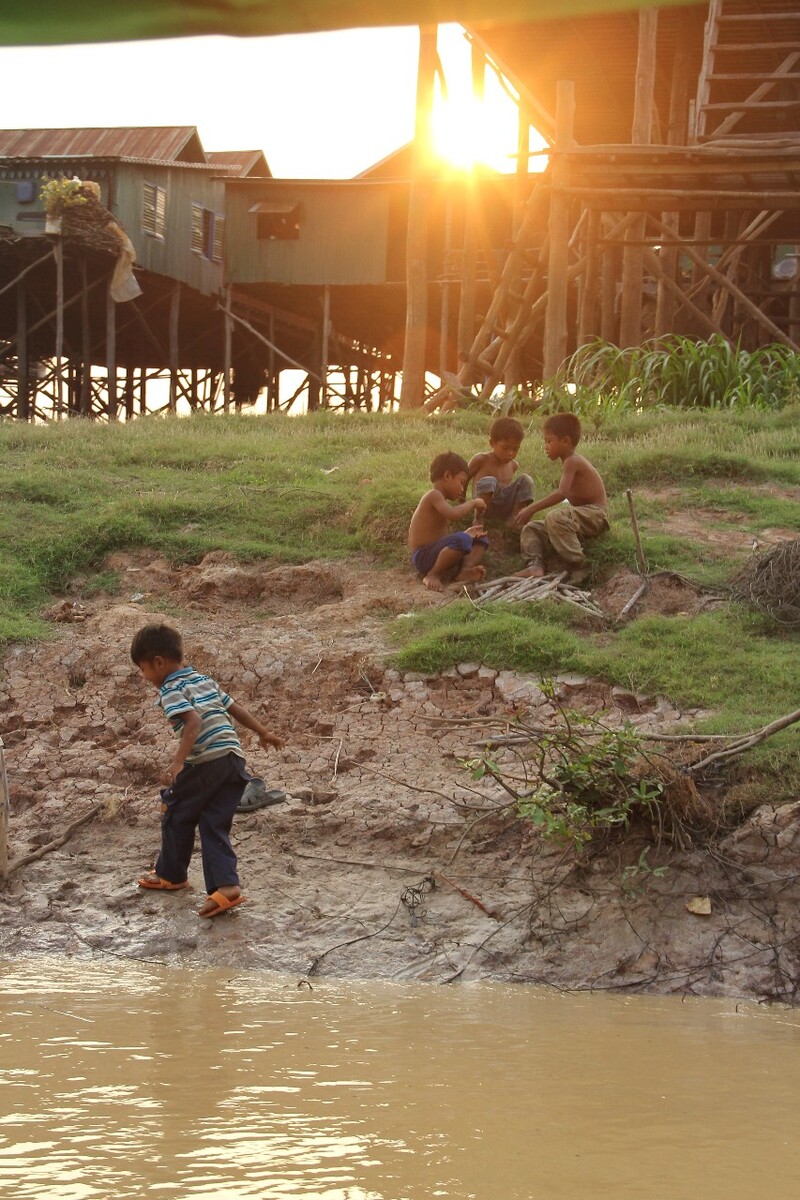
(749, 72)
(516, 305)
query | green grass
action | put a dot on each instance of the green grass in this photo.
(327, 485)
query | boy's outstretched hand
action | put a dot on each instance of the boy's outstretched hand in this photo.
(523, 515)
(268, 740)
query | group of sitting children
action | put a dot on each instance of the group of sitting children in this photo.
(578, 507)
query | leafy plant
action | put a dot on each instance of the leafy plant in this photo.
(577, 779)
(637, 873)
(58, 194)
(600, 379)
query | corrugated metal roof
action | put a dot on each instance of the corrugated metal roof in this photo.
(49, 163)
(243, 163)
(164, 143)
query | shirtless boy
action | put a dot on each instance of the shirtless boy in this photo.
(563, 530)
(493, 473)
(440, 557)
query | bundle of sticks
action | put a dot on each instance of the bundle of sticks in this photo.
(511, 588)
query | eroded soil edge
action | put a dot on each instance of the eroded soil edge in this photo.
(374, 868)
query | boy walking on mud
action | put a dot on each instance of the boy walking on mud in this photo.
(564, 530)
(493, 473)
(440, 557)
(206, 777)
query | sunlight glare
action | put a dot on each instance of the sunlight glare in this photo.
(468, 132)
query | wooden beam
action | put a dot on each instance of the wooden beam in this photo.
(743, 300)
(654, 266)
(18, 278)
(621, 199)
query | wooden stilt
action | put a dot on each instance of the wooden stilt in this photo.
(174, 345)
(59, 314)
(555, 326)
(111, 356)
(630, 322)
(129, 393)
(587, 310)
(416, 337)
(23, 366)
(227, 351)
(326, 334)
(84, 401)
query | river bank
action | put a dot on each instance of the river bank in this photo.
(386, 860)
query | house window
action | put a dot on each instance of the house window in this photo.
(219, 233)
(154, 210)
(207, 229)
(277, 220)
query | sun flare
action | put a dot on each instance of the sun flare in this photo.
(468, 131)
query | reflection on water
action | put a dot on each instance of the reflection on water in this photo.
(144, 1082)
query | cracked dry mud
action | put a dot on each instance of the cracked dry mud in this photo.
(376, 866)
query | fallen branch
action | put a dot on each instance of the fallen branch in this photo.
(24, 859)
(746, 742)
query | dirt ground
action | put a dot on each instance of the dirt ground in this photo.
(386, 860)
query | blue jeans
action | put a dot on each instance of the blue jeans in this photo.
(204, 795)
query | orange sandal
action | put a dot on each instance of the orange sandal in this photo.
(222, 902)
(156, 884)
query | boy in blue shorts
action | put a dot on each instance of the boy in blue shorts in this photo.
(207, 775)
(440, 557)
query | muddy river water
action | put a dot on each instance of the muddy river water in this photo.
(142, 1081)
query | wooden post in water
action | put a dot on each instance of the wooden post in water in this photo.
(413, 391)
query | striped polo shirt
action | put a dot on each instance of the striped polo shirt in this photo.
(186, 689)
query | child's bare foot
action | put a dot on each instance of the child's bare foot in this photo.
(433, 583)
(534, 572)
(469, 574)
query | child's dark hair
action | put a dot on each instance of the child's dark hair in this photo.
(506, 429)
(154, 641)
(449, 461)
(564, 425)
